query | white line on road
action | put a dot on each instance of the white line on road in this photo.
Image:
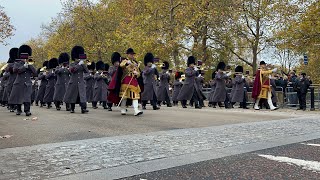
(308, 144)
(308, 165)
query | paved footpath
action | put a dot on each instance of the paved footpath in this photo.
(124, 156)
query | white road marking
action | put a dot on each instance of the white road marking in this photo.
(309, 144)
(308, 165)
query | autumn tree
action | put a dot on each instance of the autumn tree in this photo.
(6, 29)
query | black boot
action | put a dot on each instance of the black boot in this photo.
(67, 107)
(197, 106)
(184, 103)
(73, 106)
(19, 110)
(109, 106)
(84, 108)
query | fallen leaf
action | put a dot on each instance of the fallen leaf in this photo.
(5, 136)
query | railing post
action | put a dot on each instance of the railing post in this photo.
(312, 99)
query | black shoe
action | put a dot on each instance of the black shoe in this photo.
(28, 113)
(109, 109)
(67, 109)
(18, 113)
(184, 106)
(156, 108)
(245, 107)
(37, 104)
(197, 107)
(105, 108)
(11, 110)
(58, 108)
(95, 107)
(304, 109)
(83, 111)
(169, 105)
(144, 107)
(72, 111)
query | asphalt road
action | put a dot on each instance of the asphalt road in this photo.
(294, 161)
(58, 126)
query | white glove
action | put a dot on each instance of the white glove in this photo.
(199, 75)
(275, 70)
(196, 68)
(167, 72)
(45, 73)
(26, 65)
(129, 62)
(243, 77)
(153, 66)
(101, 73)
(81, 62)
(229, 73)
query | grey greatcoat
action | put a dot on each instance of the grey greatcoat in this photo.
(89, 80)
(199, 81)
(149, 82)
(22, 86)
(188, 87)
(76, 91)
(42, 87)
(100, 91)
(213, 88)
(273, 90)
(35, 88)
(62, 76)
(112, 70)
(177, 85)
(238, 92)
(163, 89)
(9, 85)
(49, 92)
(3, 85)
(220, 92)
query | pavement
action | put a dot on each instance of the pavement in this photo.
(106, 145)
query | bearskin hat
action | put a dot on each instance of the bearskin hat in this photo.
(53, 63)
(13, 54)
(45, 64)
(115, 57)
(64, 58)
(106, 67)
(92, 66)
(148, 58)
(100, 65)
(221, 66)
(76, 51)
(178, 75)
(191, 60)
(25, 49)
(130, 51)
(166, 65)
(239, 69)
(303, 74)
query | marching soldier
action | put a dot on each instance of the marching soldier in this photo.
(100, 91)
(115, 60)
(212, 84)
(35, 87)
(76, 90)
(89, 80)
(51, 79)
(149, 81)
(163, 93)
(220, 92)
(62, 75)
(188, 90)
(261, 87)
(43, 83)
(239, 94)
(5, 76)
(199, 87)
(12, 77)
(22, 86)
(125, 84)
(177, 85)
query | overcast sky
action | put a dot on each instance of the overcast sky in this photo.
(27, 17)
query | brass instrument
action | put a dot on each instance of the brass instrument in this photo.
(43, 69)
(4, 67)
(30, 61)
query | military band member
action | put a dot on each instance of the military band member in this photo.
(220, 92)
(76, 90)
(177, 85)
(125, 86)
(149, 81)
(35, 87)
(89, 80)
(239, 94)
(100, 88)
(2, 86)
(115, 60)
(199, 88)
(12, 77)
(22, 86)
(62, 78)
(51, 78)
(188, 90)
(273, 91)
(261, 87)
(212, 84)
(163, 93)
(43, 83)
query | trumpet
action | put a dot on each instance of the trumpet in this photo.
(4, 67)
(30, 61)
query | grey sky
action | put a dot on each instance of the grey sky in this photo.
(27, 17)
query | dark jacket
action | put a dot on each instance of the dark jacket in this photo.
(220, 90)
(100, 88)
(163, 89)
(149, 82)
(62, 76)
(89, 80)
(188, 87)
(42, 87)
(49, 92)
